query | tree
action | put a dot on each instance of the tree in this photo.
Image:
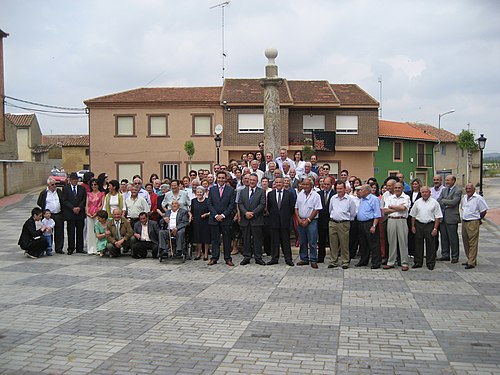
(467, 142)
(189, 148)
(307, 149)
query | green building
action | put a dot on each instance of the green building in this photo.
(405, 149)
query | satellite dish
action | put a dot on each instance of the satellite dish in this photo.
(218, 129)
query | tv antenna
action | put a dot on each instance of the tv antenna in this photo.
(222, 6)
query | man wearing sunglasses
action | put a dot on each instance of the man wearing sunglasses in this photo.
(51, 199)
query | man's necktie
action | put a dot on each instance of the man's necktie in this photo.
(118, 234)
(279, 198)
(221, 190)
(74, 191)
(251, 194)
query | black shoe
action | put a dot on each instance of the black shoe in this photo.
(332, 266)
(81, 252)
(430, 267)
(59, 252)
(272, 262)
(289, 263)
(469, 266)
(244, 262)
(416, 266)
(70, 252)
(345, 266)
(360, 265)
(443, 259)
(320, 261)
(302, 263)
(375, 267)
(464, 263)
(454, 260)
(260, 262)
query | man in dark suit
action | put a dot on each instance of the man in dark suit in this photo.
(324, 218)
(281, 207)
(32, 240)
(74, 198)
(221, 203)
(145, 237)
(251, 205)
(449, 201)
(51, 199)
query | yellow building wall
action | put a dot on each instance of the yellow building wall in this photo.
(74, 158)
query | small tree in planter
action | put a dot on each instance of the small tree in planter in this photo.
(307, 149)
(189, 148)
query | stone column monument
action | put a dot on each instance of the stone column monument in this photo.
(272, 116)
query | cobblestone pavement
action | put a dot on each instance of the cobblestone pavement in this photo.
(83, 314)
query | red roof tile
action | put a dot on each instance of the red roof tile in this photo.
(440, 134)
(403, 130)
(161, 94)
(312, 92)
(21, 120)
(66, 140)
(352, 94)
(250, 91)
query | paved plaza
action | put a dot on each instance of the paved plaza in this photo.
(83, 314)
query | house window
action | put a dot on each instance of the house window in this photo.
(397, 151)
(202, 125)
(251, 123)
(197, 166)
(170, 170)
(443, 150)
(87, 151)
(392, 174)
(38, 157)
(125, 126)
(347, 124)
(313, 122)
(157, 126)
(421, 155)
(128, 170)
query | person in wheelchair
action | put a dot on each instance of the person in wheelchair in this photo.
(145, 238)
(173, 223)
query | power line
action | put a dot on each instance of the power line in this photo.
(42, 110)
(44, 105)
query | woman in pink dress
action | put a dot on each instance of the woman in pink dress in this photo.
(95, 200)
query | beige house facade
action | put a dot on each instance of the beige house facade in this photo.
(143, 131)
(70, 152)
(450, 159)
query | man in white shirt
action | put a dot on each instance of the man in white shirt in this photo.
(254, 168)
(474, 209)
(342, 211)
(282, 158)
(425, 218)
(145, 237)
(436, 189)
(135, 204)
(396, 209)
(307, 207)
(51, 199)
(142, 192)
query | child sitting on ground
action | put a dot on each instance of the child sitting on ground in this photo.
(49, 229)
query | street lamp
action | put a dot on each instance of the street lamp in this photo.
(218, 141)
(481, 141)
(438, 146)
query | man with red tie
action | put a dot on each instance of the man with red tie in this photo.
(221, 203)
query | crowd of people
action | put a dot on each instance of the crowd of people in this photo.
(258, 206)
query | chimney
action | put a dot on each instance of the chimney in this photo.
(2, 89)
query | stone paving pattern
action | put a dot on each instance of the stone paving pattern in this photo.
(82, 314)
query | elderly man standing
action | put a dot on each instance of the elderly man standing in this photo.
(74, 199)
(396, 207)
(307, 206)
(120, 233)
(425, 218)
(474, 209)
(135, 204)
(449, 200)
(368, 216)
(326, 195)
(342, 210)
(51, 199)
(283, 157)
(251, 206)
(142, 192)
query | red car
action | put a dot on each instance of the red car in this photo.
(60, 177)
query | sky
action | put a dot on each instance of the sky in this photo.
(430, 56)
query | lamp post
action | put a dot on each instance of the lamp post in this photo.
(218, 141)
(481, 141)
(438, 146)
